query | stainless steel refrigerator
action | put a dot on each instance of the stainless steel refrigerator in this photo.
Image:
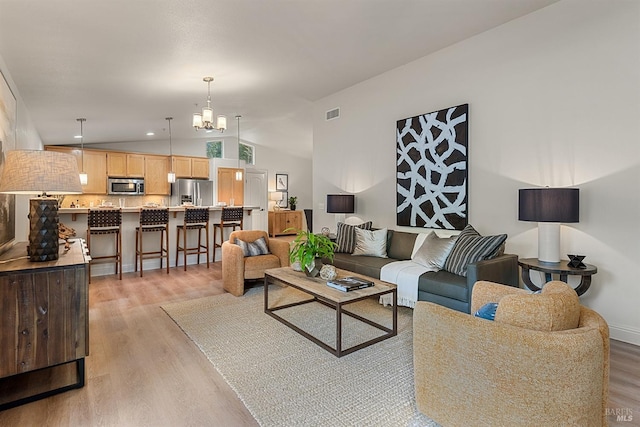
(192, 190)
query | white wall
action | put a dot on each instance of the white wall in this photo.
(554, 99)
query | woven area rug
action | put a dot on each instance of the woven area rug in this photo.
(286, 380)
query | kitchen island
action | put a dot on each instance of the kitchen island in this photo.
(76, 218)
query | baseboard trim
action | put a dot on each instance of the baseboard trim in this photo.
(625, 334)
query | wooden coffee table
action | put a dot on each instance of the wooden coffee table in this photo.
(318, 289)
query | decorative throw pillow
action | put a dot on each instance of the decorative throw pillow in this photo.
(556, 308)
(401, 245)
(346, 236)
(434, 251)
(471, 247)
(371, 243)
(487, 311)
(257, 247)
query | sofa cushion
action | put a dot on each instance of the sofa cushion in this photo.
(371, 242)
(255, 248)
(401, 245)
(255, 266)
(346, 236)
(369, 266)
(434, 251)
(556, 308)
(471, 247)
(445, 284)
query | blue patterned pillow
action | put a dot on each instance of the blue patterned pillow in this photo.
(487, 311)
(257, 247)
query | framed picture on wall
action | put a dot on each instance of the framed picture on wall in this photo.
(282, 182)
(284, 203)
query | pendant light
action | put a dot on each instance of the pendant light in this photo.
(204, 120)
(84, 179)
(171, 176)
(238, 172)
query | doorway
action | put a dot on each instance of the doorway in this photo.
(255, 194)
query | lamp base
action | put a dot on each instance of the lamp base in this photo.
(43, 229)
(549, 242)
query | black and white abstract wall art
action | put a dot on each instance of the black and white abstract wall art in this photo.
(432, 168)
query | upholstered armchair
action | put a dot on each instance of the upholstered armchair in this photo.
(543, 361)
(236, 267)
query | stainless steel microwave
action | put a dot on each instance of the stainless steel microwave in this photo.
(130, 186)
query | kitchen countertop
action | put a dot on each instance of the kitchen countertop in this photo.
(136, 209)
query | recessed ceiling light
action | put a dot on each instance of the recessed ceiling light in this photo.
(78, 136)
(150, 133)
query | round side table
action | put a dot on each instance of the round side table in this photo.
(561, 268)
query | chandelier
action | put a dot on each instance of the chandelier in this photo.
(204, 120)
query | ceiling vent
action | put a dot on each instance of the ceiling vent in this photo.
(333, 114)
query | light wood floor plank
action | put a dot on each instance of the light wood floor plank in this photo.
(144, 371)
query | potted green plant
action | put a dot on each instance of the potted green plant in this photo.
(293, 201)
(309, 249)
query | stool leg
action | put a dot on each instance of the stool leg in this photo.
(207, 238)
(199, 244)
(135, 267)
(184, 236)
(215, 233)
(166, 250)
(141, 252)
(120, 253)
(177, 244)
(89, 247)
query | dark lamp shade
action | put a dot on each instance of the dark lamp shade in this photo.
(549, 204)
(340, 203)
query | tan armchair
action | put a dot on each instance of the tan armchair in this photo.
(236, 268)
(533, 366)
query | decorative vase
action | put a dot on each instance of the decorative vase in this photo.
(296, 266)
(328, 272)
(293, 207)
(315, 268)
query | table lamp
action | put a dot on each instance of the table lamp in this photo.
(340, 204)
(549, 207)
(41, 172)
(276, 196)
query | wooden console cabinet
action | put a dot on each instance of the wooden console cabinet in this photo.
(282, 220)
(45, 322)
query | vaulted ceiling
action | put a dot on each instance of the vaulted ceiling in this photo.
(125, 65)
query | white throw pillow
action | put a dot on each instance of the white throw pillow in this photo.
(434, 251)
(371, 243)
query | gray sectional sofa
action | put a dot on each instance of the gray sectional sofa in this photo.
(440, 287)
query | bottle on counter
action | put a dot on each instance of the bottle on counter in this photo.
(72, 205)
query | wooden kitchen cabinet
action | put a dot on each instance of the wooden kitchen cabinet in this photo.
(155, 176)
(181, 166)
(230, 188)
(129, 165)
(282, 220)
(200, 167)
(45, 322)
(191, 167)
(95, 166)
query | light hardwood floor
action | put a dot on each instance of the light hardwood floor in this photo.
(143, 371)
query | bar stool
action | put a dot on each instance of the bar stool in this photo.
(230, 217)
(194, 219)
(153, 220)
(105, 221)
